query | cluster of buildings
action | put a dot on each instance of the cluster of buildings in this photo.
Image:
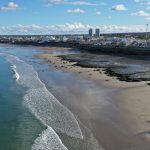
(97, 33)
(119, 42)
(92, 37)
(40, 38)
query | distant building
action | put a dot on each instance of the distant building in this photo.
(97, 32)
(62, 39)
(90, 32)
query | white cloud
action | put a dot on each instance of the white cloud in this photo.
(98, 13)
(119, 7)
(76, 11)
(10, 6)
(143, 2)
(68, 28)
(141, 13)
(68, 2)
(56, 1)
(82, 3)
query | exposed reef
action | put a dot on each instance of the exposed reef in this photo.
(131, 69)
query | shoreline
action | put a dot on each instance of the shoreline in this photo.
(95, 74)
(97, 49)
(131, 111)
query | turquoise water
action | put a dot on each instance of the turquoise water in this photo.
(9, 108)
(18, 128)
(29, 113)
(31, 117)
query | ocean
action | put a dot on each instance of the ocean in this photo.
(31, 117)
(16, 123)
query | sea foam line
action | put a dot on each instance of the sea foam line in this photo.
(45, 106)
(48, 140)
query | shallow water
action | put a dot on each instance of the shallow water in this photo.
(16, 123)
(48, 109)
(39, 120)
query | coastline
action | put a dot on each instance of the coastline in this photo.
(100, 49)
(135, 121)
(95, 74)
(110, 113)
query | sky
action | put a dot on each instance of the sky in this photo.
(73, 16)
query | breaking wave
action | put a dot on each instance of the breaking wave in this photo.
(48, 140)
(15, 73)
(55, 116)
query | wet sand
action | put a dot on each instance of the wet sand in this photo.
(116, 112)
(96, 74)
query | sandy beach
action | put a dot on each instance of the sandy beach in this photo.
(88, 73)
(117, 112)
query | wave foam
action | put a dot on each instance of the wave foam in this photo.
(45, 107)
(16, 75)
(47, 140)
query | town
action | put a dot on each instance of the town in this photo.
(136, 40)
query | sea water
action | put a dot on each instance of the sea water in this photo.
(31, 118)
(16, 123)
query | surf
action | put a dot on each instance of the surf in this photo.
(15, 73)
(48, 139)
(45, 107)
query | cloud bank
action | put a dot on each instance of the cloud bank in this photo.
(68, 28)
(79, 3)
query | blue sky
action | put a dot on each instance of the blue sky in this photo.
(72, 16)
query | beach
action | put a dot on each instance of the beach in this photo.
(75, 75)
(116, 112)
(62, 98)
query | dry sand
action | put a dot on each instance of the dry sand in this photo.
(132, 101)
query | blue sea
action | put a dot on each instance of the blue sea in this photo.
(31, 117)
